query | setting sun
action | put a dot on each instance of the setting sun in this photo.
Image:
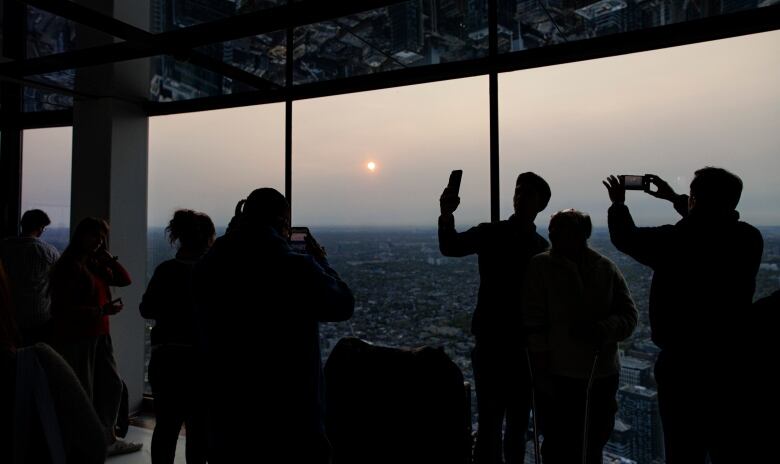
(371, 166)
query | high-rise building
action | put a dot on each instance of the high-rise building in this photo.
(635, 371)
(639, 410)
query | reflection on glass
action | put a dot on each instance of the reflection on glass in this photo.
(175, 80)
(49, 34)
(263, 55)
(167, 15)
(406, 34)
(36, 99)
(525, 24)
(46, 179)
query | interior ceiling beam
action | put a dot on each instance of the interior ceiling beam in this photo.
(141, 44)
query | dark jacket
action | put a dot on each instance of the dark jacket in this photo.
(704, 276)
(259, 305)
(168, 300)
(504, 250)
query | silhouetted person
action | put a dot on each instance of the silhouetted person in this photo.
(44, 412)
(501, 374)
(81, 306)
(259, 308)
(173, 368)
(28, 260)
(704, 277)
(576, 307)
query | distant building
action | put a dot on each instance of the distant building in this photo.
(621, 440)
(635, 371)
(639, 410)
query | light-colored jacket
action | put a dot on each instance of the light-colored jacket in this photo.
(560, 294)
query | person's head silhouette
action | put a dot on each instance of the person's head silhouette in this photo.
(714, 190)
(569, 231)
(532, 194)
(34, 222)
(266, 207)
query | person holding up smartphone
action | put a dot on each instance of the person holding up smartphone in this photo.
(81, 305)
(259, 303)
(704, 276)
(504, 248)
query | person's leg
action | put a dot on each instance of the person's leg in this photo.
(168, 414)
(80, 355)
(518, 395)
(678, 400)
(194, 413)
(489, 406)
(107, 387)
(565, 416)
(601, 415)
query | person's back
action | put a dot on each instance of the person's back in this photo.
(259, 308)
(704, 277)
(28, 260)
(703, 283)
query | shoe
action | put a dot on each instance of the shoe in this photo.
(123, 447)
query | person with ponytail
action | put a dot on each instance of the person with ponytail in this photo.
(173, 366)
(259, 304)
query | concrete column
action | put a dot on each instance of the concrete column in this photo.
(109, 180)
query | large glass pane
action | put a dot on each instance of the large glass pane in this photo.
(406, 34)
(378, 221)
(666, 112)
(527, 24)
(168, 15)
(39, 99)
(49, 34)
(207, 162)
(263, 55)
(175, 80)
(46, 164)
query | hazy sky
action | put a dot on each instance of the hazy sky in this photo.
(666, 112)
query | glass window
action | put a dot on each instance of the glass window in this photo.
(378, 221)
(402, 35)
(46, 165)
(207, 162)
(666, 112)
(525, 24)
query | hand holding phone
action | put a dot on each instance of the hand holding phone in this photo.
(635, 182)
(449, 200)
(298, 239)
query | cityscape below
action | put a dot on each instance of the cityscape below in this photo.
(408, 295)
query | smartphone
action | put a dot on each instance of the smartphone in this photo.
(635, 182)
(454, 183)
(298, 239)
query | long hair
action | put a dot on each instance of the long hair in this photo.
(193, 230)
(9, 336)
(70, 258)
